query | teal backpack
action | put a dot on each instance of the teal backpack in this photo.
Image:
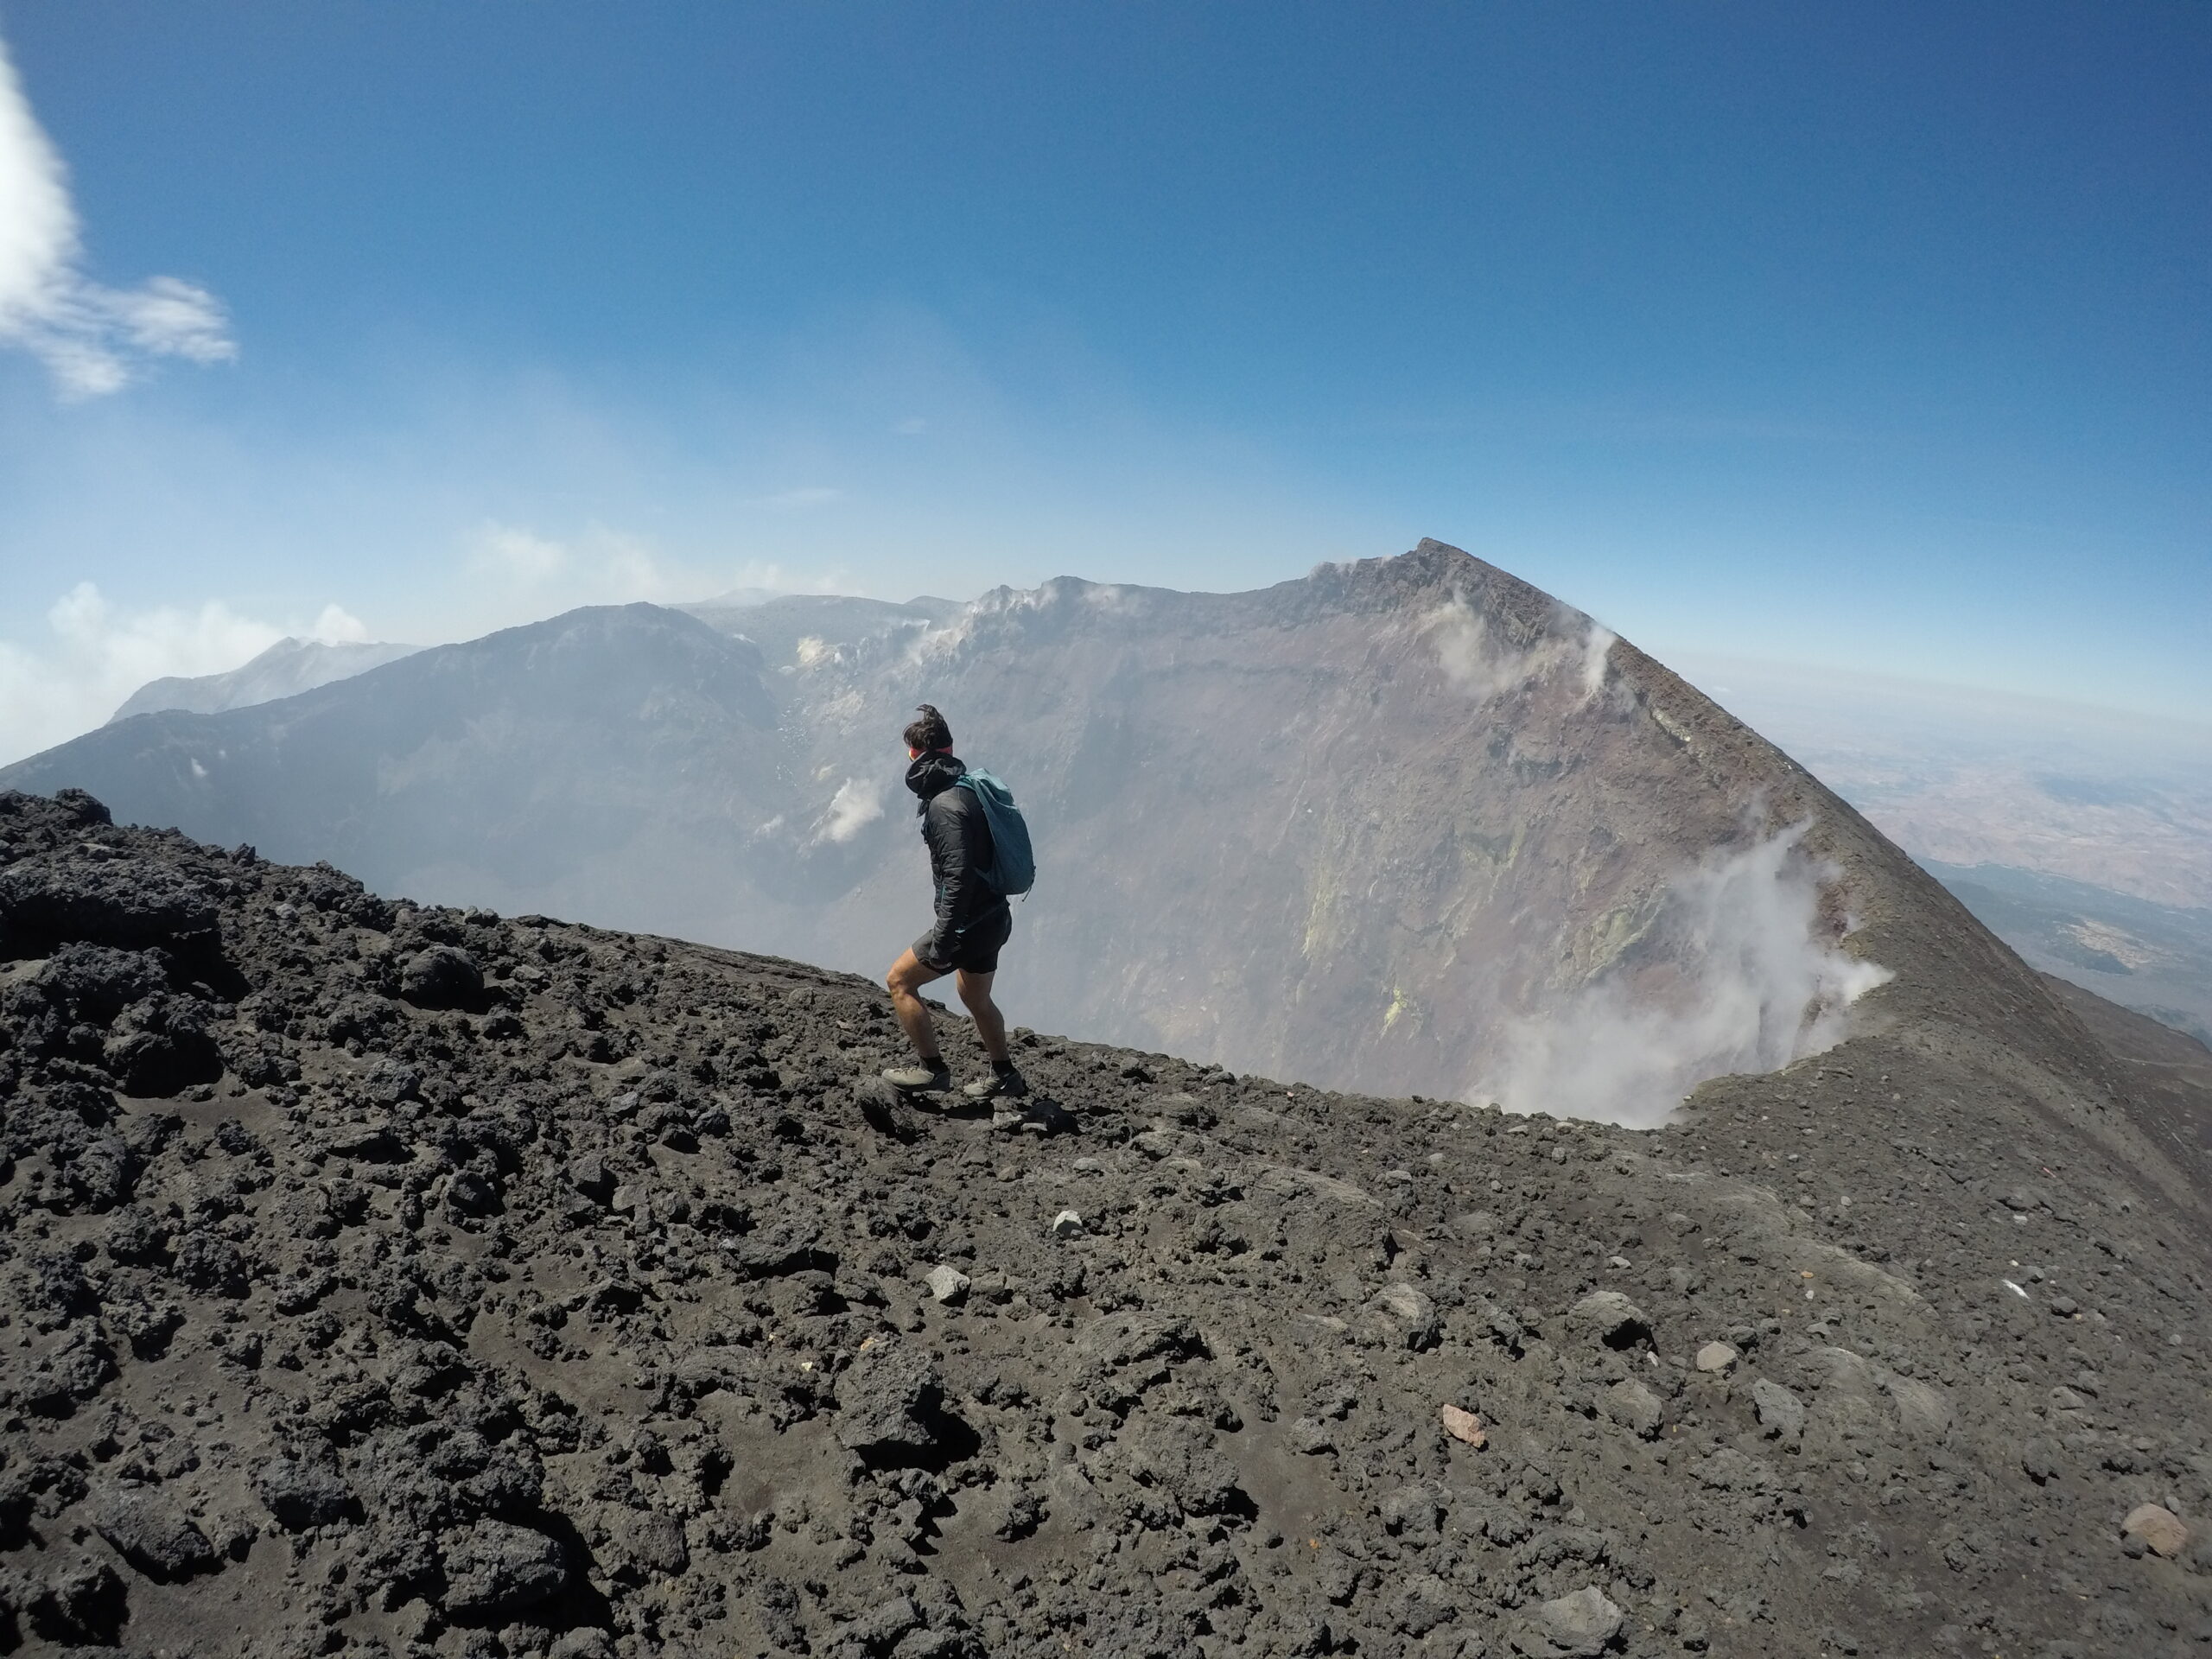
(1013, 866)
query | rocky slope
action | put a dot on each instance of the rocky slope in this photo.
(384, 1279)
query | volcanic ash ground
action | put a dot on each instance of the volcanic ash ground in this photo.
(398, 1281)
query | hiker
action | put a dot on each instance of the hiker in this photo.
(973, 916)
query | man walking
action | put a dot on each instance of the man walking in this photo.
(973, 921)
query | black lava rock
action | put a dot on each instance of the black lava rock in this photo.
(153, 1535)
(494, 1569)
(443, 976)
(124, 902)
(887, 1399)
(301, 1496)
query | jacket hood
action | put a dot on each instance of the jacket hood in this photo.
(934, 774)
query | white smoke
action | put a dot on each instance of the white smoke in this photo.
(1597, 656)
(857, 803)
(1482, 664)
(1742, 978)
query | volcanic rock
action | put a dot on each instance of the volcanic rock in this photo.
(149, 1531)
(301, 1496)
(1611, 1319)
(947, 1283)
(1635, 1407)
(442, 976)
(542, 1425)
(2160, 1529)
(84, 1603)
(887, 1399)
(1781, 1413)
(1583, 1624)
(1717, 1358)
(493, 1568)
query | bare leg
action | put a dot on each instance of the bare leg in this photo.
(907, 976)
(990, 1024)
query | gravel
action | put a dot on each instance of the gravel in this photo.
(352, 1347)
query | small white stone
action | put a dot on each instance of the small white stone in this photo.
(1718, 1357)
(947, 1283)
(1067, 1224)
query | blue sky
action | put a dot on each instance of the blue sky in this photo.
(1875, 336)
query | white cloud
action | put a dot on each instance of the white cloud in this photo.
(94, 656)
(93, 339)
(600, 567)
(521, 574)
(518, 555)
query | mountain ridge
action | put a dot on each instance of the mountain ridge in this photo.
(285, 668)
(1409, 824)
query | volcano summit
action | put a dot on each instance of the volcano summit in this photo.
(1405, 825)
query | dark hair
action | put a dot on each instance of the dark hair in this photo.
(929, 732)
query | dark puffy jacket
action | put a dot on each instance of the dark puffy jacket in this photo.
(959, 839)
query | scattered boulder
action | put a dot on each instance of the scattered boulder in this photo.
(1460, 1424)
(888, 1398)
(127, 903)
(947, 1284)
(1413, 1314)
(654, 1539)
(878, 1630)
(83, 1604)
(1781, 1413)
(1067, 1224)
(1582, 1625)
(301, 1496)
(153, 1535)
(1610, 1318)
(1635, 1407)
(1924, 1408)
(1179, 1457)
(493, 1569)
(442, 976)
(1716, 1358)
(2158, 1529)
(589, 1177)
(2041, 1459)
(159, 1046)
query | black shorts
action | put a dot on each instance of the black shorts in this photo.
(975, 949)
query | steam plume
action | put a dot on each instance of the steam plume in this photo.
(1734, 974)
